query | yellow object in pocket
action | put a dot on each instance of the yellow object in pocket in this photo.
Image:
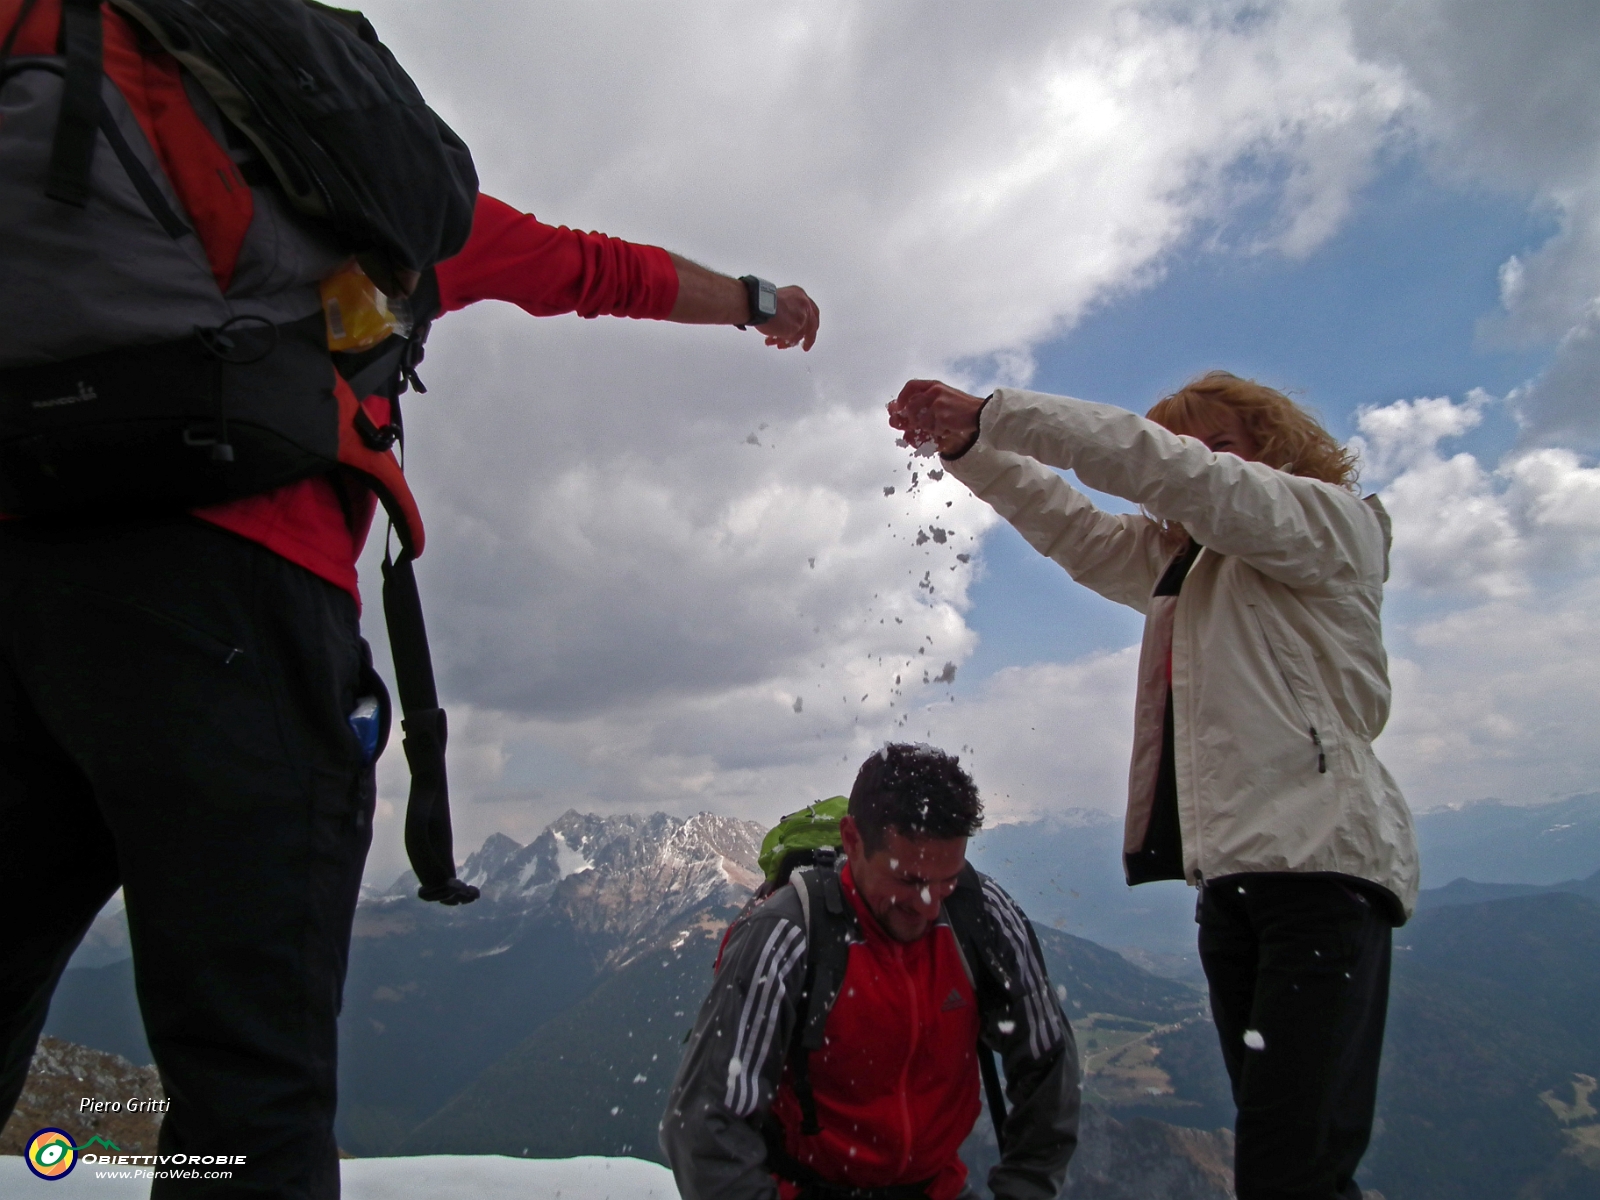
(358, 314)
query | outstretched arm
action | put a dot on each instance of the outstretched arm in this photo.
(1120, 556)
(548, 270)
(1299, 531)
(707, 298)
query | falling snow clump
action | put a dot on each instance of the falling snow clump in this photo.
(1253, 1040)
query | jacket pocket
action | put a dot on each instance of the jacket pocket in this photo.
(1299, 685)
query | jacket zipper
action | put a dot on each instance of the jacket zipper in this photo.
(905, 1070)
(177, 626)
(1316, 738)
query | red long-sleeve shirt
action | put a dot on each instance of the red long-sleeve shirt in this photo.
(512, 256)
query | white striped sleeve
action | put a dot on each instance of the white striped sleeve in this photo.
(1043, 1014)
(783, 948)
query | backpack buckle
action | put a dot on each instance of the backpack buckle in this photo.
(379, 438)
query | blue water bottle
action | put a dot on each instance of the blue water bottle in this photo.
(365, 719)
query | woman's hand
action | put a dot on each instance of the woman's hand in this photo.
(929, 411)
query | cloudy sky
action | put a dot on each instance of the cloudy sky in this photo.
(664, 569)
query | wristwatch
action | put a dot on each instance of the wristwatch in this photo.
(763, 297)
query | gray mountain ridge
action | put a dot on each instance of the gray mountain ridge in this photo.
(622, 879)
(1066, 870)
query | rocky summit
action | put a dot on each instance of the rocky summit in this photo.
(623, 882)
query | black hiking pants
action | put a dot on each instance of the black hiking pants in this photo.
(1299, 973)
(173, 720)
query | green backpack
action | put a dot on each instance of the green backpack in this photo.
(794, 841)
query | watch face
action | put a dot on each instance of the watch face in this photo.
(767, 299)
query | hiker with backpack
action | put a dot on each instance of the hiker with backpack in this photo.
(1262, 683)
(199, 412)
(857, 1004)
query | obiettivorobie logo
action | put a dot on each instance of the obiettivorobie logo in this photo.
(52, 1154)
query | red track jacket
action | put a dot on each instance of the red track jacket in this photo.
(895, 1084)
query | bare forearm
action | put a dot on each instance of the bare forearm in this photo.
(707, 297)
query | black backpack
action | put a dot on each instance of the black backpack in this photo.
(132, 381)
(343, 128)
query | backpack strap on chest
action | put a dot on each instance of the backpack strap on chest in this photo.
(828, 929)
(975, 937)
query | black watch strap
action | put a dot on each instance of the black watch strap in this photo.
(762, 296)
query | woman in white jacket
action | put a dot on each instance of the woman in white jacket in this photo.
(1262, 684)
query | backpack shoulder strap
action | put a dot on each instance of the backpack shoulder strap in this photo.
(977, 937)
(970, 921)
(828, 928)
(72, 153)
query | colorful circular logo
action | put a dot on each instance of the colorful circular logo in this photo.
(51, 1154)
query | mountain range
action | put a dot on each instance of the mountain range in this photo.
(437, 995)
(1066, 871)
(546, 1019)
(1491, 1054)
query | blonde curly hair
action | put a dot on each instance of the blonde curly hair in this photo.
(1289, 437)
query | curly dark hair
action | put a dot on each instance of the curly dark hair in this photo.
(918, 791)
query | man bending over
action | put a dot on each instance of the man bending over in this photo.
(927, 964)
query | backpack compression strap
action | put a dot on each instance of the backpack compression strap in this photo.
(72, 153)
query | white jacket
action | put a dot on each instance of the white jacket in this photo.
(1279, 676)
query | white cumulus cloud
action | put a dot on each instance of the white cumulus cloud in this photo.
(648, 542)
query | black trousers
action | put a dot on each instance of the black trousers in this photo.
(1299, 973)
(173, 720)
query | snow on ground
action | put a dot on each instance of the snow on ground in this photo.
(483, 1177)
